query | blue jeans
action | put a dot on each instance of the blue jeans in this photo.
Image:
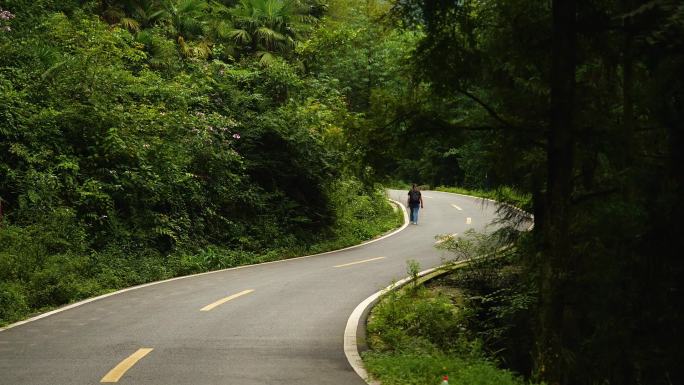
(414, 214)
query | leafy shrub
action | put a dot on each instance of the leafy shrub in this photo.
(410, 321)
(360, 212)
(13, 301)
(122, 162)
(415, 334)
(498, 299)
(59, 281)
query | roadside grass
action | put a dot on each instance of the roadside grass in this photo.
(397, 185)
(417, 334)
(42, 268)
(428, 369)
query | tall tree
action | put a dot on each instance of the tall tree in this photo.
(555, 322)
(569, 95)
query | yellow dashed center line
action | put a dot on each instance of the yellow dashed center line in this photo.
(357, 262)
(119, 370)
(224, 300)
(456, 207)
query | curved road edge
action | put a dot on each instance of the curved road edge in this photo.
(351, 349)
(516, 208)
(360, 313)
(93, 299)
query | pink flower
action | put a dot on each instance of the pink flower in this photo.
(236, 136)
(5, 15)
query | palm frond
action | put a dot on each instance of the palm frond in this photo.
(268, 35)
(266, 58)
(184, 48)
(240, 36)
(130, 24)
(113, 14)
(291, 43)
(202, 50)
(222, 29)
(157, 15)
(191, 6)
(274, 24)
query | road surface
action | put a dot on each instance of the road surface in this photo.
(278, 323)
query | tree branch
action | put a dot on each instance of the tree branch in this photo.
(399, 118)
(487, 108)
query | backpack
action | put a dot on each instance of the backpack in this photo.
(414, 196)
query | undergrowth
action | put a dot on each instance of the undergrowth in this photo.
(468, 324)
(417, 336)
(50, 264)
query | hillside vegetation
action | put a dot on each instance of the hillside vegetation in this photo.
(142, 140)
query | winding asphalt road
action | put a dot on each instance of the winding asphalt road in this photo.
(277, 323)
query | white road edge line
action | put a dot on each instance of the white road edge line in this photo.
(351, 349)
(80, 303)
(456, 207)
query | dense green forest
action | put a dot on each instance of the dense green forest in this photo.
(578, 103)
(144, 139)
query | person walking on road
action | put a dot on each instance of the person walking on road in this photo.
(415, 202)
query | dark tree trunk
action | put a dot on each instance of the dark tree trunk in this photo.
(628, 87)
(554, 314)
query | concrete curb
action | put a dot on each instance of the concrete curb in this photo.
(80, 303)
(360, 313)
(352, 336)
